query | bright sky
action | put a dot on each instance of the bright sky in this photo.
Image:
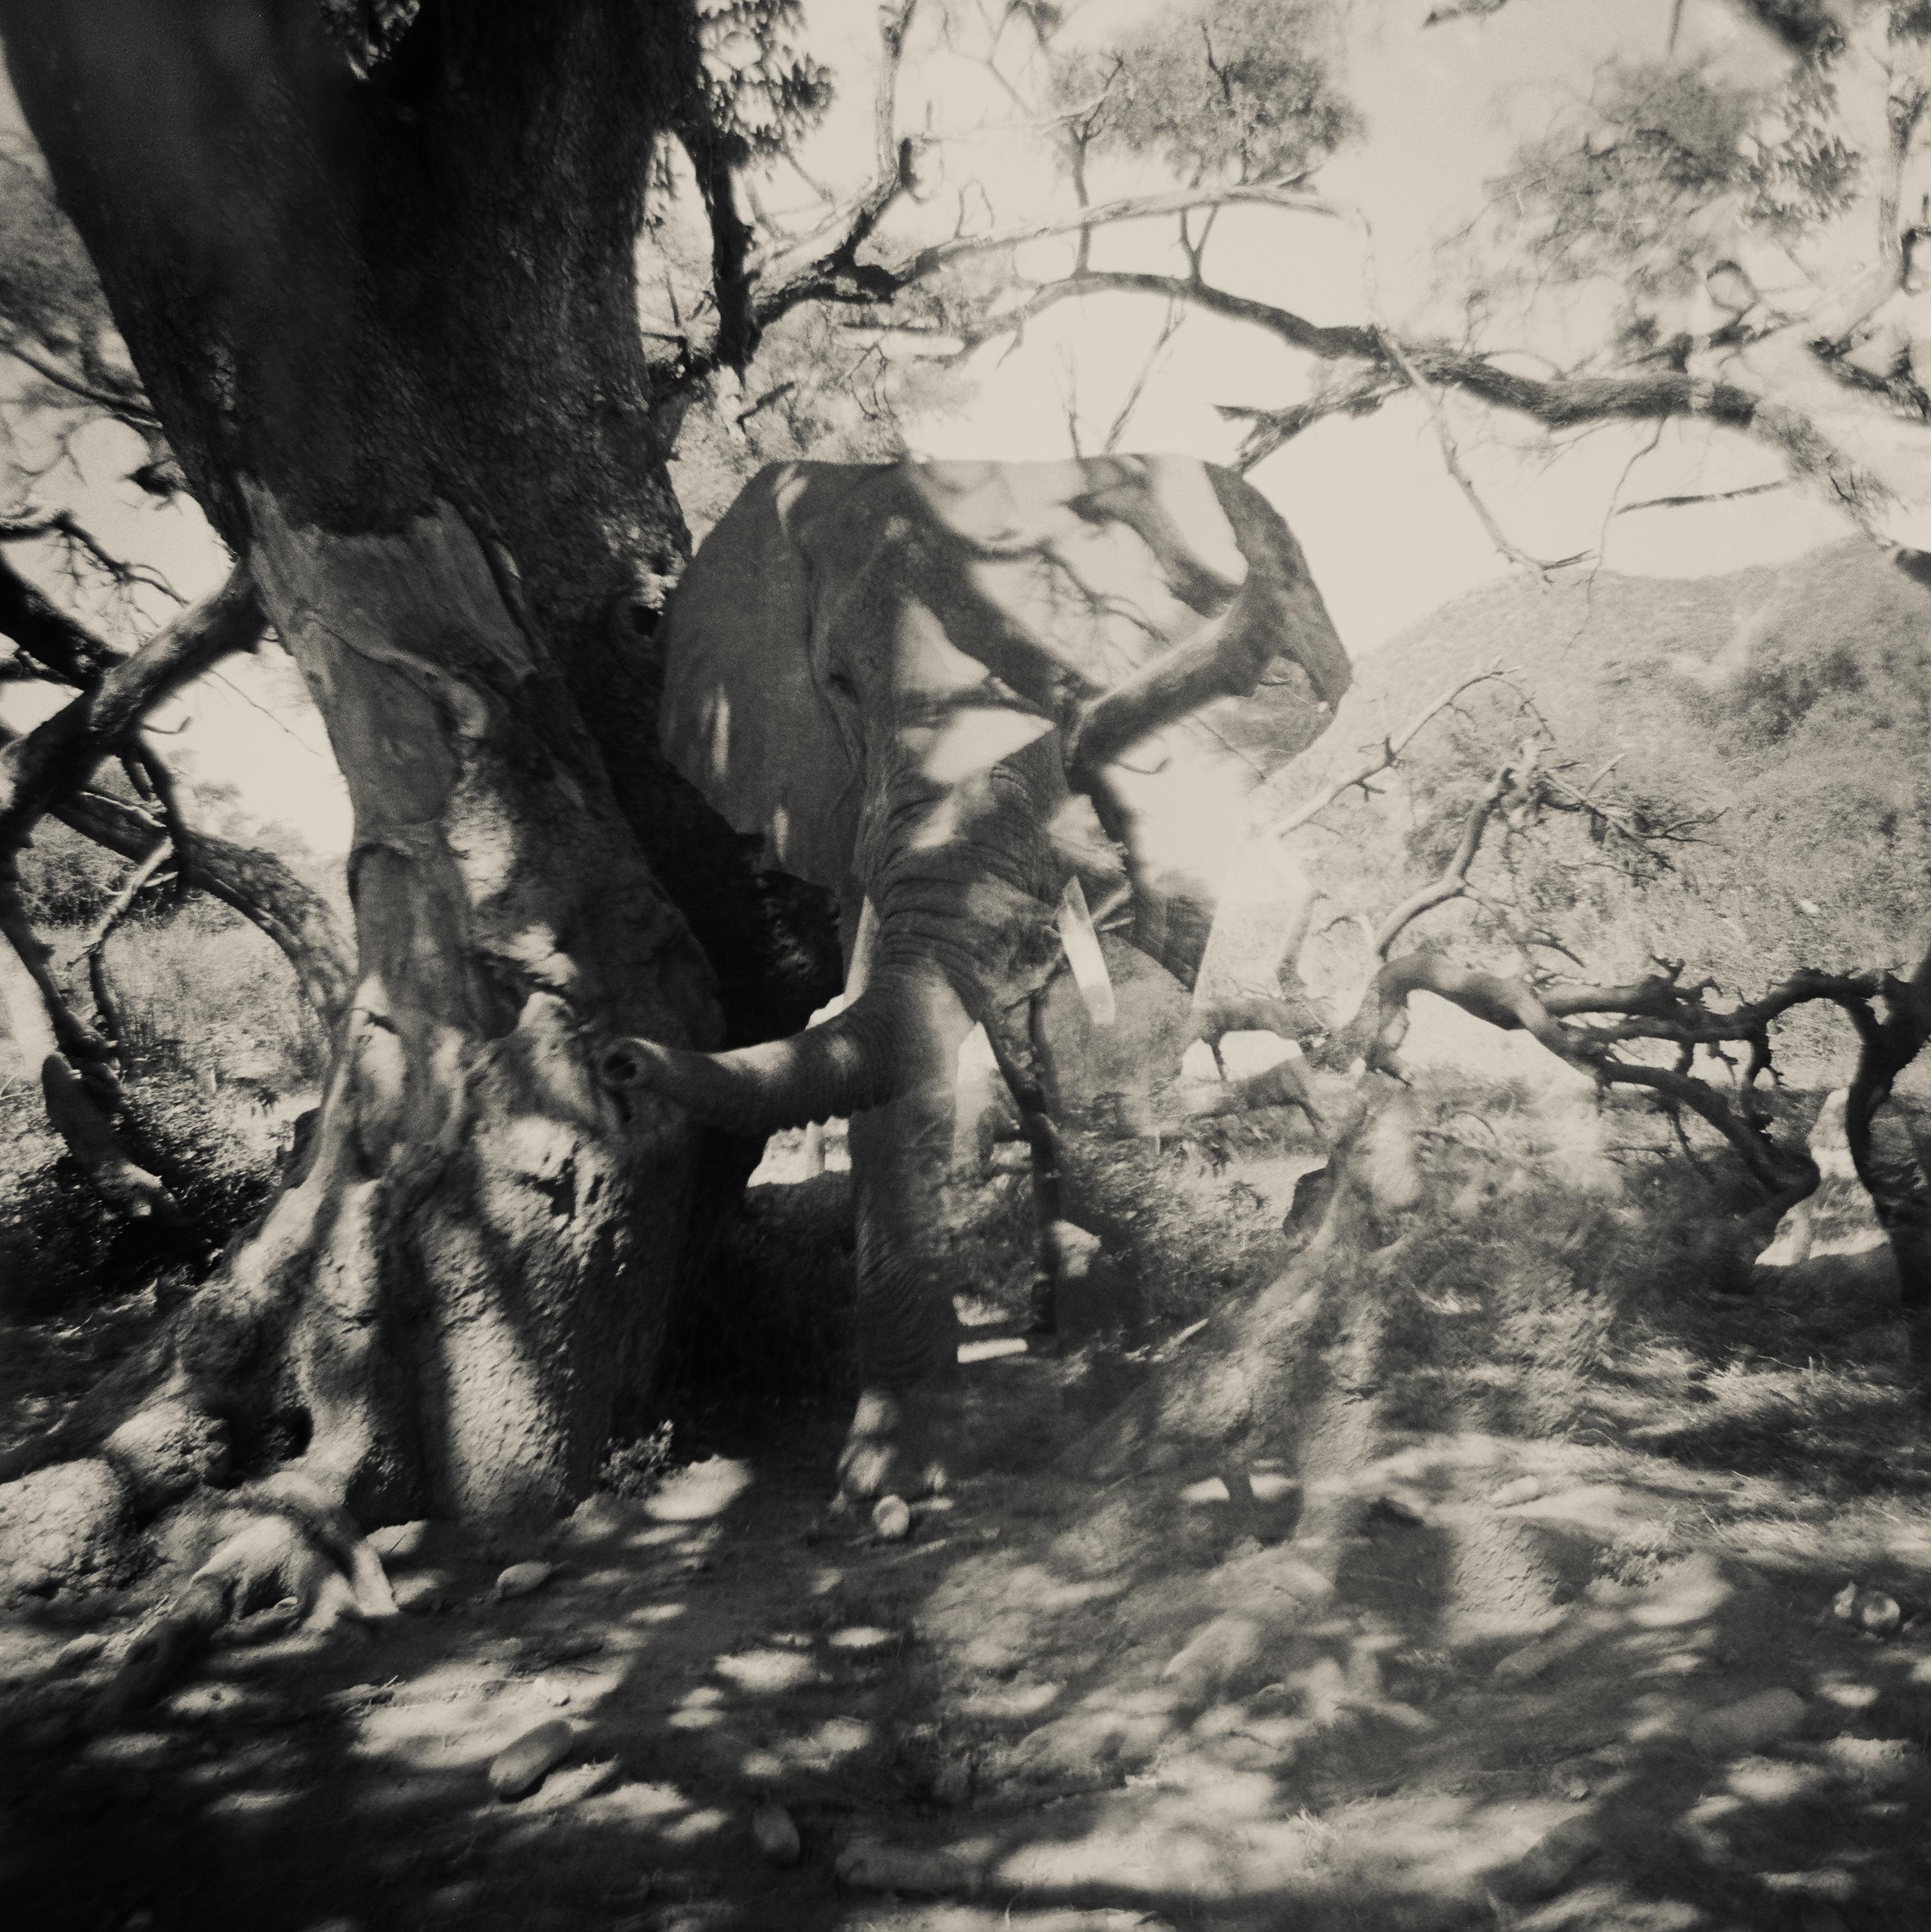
(1389, 535)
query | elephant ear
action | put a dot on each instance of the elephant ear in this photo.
(745, 714)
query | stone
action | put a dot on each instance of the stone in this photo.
(1879, 1613)
(1549, 1864)
(775, 1835)
(518, 1769)
(1219, 1660)
(891, 1519)
(1523, 1489)
(421, 1596)
(519, 1579)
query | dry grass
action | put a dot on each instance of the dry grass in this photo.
(221, 1054)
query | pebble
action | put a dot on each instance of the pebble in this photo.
(1879, 1614)
(521, 1767)
(1549, 1864)
(891, 1519)
(1523, 1489)
(420, 1596)
(775, 1835)
(519, 1579)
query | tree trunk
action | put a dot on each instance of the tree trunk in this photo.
(389, 325)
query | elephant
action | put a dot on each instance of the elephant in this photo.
(991, 707)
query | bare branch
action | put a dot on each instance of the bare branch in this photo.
(1452, 458)
(37, 768)
(1390, 750)
(130, 409)
(93, 953)
(256, 884)
(55, 1041)
(1453, 882)
(1702, 496)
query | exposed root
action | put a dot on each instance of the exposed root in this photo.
(286, 1549)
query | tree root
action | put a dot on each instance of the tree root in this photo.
(285, 1544)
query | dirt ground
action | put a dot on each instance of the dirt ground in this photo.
(1670, 1673)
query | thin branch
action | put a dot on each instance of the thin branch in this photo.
(39, 768)
(128, 409)
(254, 884)
(1700, 496)
(1453, 882)
(93, 953)
(1386, 755)
(1452, 458)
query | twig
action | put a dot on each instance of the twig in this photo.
(1390, 750)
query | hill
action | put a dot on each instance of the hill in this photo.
(1776, 718)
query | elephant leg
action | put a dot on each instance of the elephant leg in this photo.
(905, 1434)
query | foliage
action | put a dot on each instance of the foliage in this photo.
(66, 879)
(759, 87)
(1780, 715)
(636, 1469)
(1629, 189)
(1227, 90)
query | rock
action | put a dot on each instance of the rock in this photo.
(863, 1643)
(1844, 1604)
(891, 1519)
(80, 1651)
(519, 1579)
(1523, 1489)
(775, 1835)
(521, 1767)
(558, 1694)
(1744, 1726)
(1400, 1504)
(1549, 1864)
(60, 1528)
(1879, 1613)
(872, 1867)
(1541, 1653)
(421, 1596)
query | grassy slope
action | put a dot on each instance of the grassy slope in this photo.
(1791, 702)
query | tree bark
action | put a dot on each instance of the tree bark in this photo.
(389, 324)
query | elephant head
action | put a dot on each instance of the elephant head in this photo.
(948, 691)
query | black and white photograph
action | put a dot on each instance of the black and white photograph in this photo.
(965, 965)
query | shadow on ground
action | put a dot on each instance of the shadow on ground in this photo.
(1626, 1635)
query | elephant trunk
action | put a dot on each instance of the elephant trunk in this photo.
(862, 1057)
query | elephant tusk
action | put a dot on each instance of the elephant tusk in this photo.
(1083, 955)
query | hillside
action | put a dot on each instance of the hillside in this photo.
(1782, 712)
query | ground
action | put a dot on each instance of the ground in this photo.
(1584, 1659)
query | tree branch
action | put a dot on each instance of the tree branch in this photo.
(1390, 750)
(39, 768)
(256, 884)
